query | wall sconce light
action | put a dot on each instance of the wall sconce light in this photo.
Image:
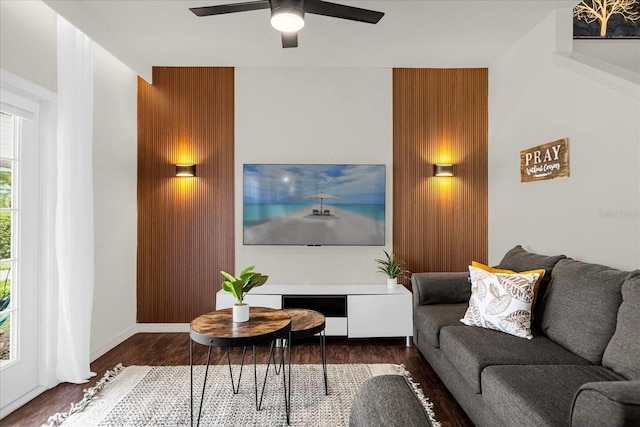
(443, 170)
(185, 170)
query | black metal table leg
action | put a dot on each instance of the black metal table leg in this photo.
(276, 366)
(323, 347)
(266, 374)
(204, 383)
(255, 377)
(287, 400)
(279, 367)
(235, 388)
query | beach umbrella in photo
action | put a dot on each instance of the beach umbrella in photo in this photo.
(322, 196)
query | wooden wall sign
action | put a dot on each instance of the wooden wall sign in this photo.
(546, 161)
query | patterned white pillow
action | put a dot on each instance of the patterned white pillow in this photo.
(501, 301)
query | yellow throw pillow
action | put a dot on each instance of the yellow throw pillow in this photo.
(500, 270)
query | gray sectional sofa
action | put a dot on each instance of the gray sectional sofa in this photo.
(582, 368)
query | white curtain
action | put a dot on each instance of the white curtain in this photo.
(74, 204)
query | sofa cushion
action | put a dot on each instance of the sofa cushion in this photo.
(518, 259)
(471, 350)
(501, 301)
(537, 395)
(581, 306)
(623, 351)
(429, 319)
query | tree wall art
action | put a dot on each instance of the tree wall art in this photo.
(607, 19)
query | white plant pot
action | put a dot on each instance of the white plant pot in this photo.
(240, 313)
(392, 283)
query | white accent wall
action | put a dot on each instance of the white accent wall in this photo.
(115, 148)
(313, 115)
(28, 49)
(534, 98)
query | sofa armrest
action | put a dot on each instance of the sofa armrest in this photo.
(610, 403)
(440, 288)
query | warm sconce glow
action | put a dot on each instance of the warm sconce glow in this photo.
(443, 170)
(185, 170)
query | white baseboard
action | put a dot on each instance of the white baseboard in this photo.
(21, 401)
(137, 329)
(104, 348)
(161, 327)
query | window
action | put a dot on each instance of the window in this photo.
(9, 225)
(27, 124)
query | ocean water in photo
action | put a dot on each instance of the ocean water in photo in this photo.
(256, 214)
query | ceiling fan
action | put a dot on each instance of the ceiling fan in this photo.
(287, 16)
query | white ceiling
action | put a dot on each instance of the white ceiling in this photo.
(413, 33)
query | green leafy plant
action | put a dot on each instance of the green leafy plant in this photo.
(391, 266)
(241, 285)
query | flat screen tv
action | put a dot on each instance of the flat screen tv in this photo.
(314, 204)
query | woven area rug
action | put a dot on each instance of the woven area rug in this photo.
(159, 396)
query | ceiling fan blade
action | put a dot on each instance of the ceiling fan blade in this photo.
(289, 40)
(335, 10)
(230, 8)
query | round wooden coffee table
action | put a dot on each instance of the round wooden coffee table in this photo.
(217, 329)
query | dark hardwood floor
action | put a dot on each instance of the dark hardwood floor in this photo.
(173, 349)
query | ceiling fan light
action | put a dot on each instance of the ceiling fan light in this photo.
(287, 20)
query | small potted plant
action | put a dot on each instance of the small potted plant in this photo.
(392, 267)
(239, 287)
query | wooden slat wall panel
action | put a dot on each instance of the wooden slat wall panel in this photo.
(185, 225)
(440, 116)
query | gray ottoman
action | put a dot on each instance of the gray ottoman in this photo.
(387, 401)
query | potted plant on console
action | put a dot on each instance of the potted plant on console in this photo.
(239, 287)
(392, 267)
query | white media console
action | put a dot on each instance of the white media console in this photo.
(355, 311)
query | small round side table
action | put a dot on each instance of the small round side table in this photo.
(307, 323)
(217, 329)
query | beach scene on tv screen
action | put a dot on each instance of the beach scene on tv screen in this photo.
(314, 204)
